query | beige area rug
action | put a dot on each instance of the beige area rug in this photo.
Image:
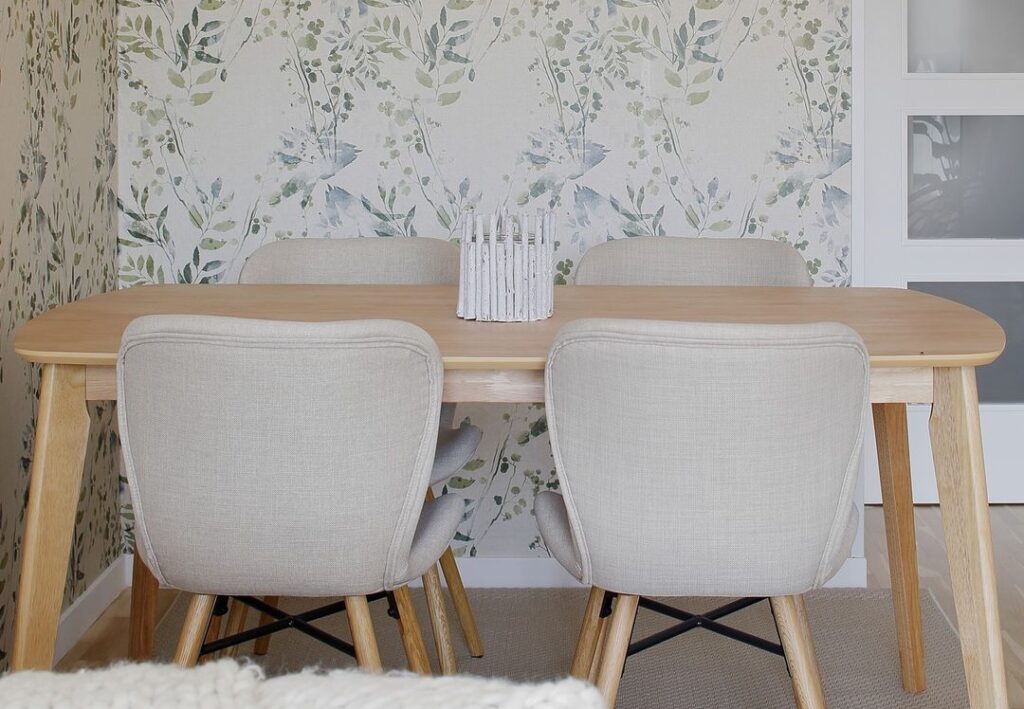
(530, 634)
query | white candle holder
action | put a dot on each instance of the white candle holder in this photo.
(506, 272)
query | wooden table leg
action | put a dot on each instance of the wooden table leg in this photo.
(955, 428)
(143, 613)
(900, 536)
(58, 456)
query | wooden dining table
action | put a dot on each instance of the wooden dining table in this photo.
(923, 350)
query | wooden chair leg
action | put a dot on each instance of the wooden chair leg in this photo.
(900, 536)
(602, 637)
(439, 622)
(795, 633)
(586, 644)
(457, 591)
(613, 655)
(263, 644)
(363, 638)
(235, 623)
(197, 620)
(143, 613)
(412, 639)
(463, 611)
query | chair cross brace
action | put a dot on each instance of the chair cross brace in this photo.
(298, 621)
(690, 621)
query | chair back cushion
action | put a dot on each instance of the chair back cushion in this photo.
(680, 261)
(279, 458)
(385, 260)
(708, 459)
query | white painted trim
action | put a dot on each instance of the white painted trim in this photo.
(88, 607)
(539, 572)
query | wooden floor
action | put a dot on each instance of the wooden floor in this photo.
(107, 640)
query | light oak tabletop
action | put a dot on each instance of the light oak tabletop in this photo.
(901, 328)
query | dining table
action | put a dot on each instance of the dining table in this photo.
(923, 350)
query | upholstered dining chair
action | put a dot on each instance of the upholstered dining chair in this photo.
(683, 261)
(410, 261)
(702, 459)
(258, 465)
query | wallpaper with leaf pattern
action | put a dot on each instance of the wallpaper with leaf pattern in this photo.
(247, 121)
(57, 221)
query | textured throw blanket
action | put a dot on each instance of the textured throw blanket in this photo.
(226, 684)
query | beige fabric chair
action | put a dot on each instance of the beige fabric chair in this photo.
(679, 261)
(389, 261)
(253, 447)
(703, 460)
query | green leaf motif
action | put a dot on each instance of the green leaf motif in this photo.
(199, 99)
(449, 99)
(697, 97)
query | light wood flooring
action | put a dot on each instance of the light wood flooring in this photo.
(107, 640)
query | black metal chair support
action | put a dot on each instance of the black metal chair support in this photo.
(299, 621)
(690, 621)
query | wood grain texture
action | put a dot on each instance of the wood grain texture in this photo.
(412, 638)
(521, 386)
(901, 328)
(363, 637)
(457, 591)
(193, 631)
(590, 631)
(795, 633)
(237, 613)
(898, 504)
(145, 590)
(58, 457)
(616, 643)
(955, 427)
(438, 613)
(262, 645)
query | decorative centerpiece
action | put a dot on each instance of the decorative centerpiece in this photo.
(506, 271)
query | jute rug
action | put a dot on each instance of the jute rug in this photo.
(529, 634)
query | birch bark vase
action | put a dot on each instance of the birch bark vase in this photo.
(506, 270)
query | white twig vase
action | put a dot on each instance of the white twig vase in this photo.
(506, 272)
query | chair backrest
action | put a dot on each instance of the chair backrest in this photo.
(385, 260)
(680, 261)
(708, 459)
(277, 458)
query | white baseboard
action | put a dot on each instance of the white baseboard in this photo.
(87, 608)
(547, 573)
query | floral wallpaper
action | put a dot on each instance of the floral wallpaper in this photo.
(247, 121)
(57, 215)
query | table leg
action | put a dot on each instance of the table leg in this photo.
(898, 507)
(58, 456)
(955, 427)
(142, 621)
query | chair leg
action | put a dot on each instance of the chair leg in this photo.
(409, 627)
(795, 633)
(457, 591)
(613, 656)
(263, 644)
(235, 623)
(197, 620)
(439, 622)
(602, 638)
(463, 611)
(363, 639)
(586, 645)
(143, 613)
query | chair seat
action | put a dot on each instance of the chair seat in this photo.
(434, 533)
(553, 521)
(455, 447)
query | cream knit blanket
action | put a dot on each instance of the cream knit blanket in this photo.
(226, 684)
